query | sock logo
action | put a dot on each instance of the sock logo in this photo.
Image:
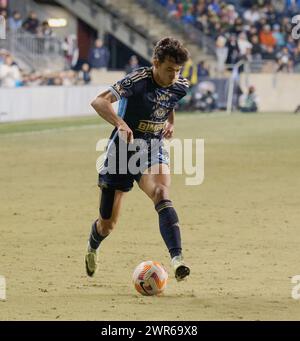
(2, 288)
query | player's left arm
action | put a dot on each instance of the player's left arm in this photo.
(169, 126)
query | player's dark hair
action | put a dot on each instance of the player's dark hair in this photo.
(172, 48)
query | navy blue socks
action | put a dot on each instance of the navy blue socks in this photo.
(169, 226)
(95, 237)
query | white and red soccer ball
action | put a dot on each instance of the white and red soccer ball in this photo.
(150, 278)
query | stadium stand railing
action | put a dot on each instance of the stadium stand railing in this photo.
(34, 52)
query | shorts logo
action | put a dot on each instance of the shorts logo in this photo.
(127, 83)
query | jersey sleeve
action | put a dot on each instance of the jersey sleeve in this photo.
(127, 86)
(182, 87)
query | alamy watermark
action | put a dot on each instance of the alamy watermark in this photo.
(141, 156)
(296, 289)
(2, 27)
(296, 28)
(2, 288)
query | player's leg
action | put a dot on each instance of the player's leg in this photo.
(109, 210)
(156, 184)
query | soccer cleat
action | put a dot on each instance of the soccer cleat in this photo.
(91, 262)
(180, 269)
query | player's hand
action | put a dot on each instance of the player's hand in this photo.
(168, 130)
(125, 132)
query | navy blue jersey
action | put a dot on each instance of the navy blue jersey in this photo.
(145, 106)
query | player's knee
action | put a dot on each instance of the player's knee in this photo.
(161, 192)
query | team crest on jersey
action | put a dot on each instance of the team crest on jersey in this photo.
(127, 83)
(160, 113)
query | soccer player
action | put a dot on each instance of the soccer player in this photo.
(147, 98)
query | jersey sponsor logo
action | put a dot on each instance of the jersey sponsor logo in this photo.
(150, 126)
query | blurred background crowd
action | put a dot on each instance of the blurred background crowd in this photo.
(257, 32)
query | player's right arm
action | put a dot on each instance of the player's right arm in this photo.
(103, 106)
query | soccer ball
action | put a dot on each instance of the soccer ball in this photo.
(150, 278)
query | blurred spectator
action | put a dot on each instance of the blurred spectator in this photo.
(202, 70)
(44, 35)
(33, 79)
(284, 61)
(202, 23)
(99, 56)
(229, 14)
(68, 77)
(189, 71)
(31, 24)
(296, 58)
(10, 75)
(205, 97)
(286, 25)
(249, 102)
(243, 44)
(15, 22)
(269, 53)
(221, 19)
(238, 27)
(3, 54)
(132, 65)
(3, 13)
(256, 48)
(56, 81)
(278, 35)
(208, 102)
(45, 30)
(266, 37)
(84, 76)
(188, 18)
(270, 13)
(292, 6)
(291, 45)
(253, 31)
(71, 51)
(213, 6)
(233, 51)
(221, 52)
(172, 8)
(252, 15)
